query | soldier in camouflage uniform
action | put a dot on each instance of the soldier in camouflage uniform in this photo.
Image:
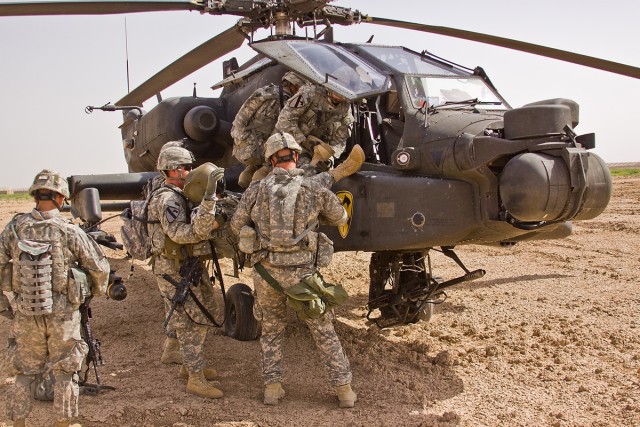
(316, 114)
(174, 228)
(50, 260)
(284, 237)
(255, 121)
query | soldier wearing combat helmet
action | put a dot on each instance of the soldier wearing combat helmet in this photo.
(175, 225)
(50, 266)
(276, 221)
(320, 120)
(255, 121)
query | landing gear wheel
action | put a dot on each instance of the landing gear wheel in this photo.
(239, 321)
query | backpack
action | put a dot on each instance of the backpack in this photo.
(135, 219)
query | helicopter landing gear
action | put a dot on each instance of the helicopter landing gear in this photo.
(404, 291)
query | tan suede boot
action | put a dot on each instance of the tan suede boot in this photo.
(171, 351)
(350, 166)
(209, 373)
(199, 386)
(244, 179)
(346, 396)
(18, 423)
(273, 393)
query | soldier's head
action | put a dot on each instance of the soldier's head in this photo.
(281, 149)
(292, 82)
(175, 162)
(49, 189)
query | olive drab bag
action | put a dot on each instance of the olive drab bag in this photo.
(135, 220)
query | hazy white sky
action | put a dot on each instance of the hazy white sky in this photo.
(52, 67)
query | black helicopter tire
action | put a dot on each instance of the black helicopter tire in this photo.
(238, 314)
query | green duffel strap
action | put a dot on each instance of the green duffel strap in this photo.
(267, 277)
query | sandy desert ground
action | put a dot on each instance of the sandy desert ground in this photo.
(549, 337)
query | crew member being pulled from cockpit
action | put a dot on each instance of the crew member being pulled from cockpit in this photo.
(255, 121)
(320, 120)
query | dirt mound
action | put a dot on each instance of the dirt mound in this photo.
(548, 337)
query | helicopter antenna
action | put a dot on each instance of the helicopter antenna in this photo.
(126, 49)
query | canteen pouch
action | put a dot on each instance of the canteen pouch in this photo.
(78, 286)
(325, 250)
(248, 240)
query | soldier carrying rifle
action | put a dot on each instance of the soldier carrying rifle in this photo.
(50, 266)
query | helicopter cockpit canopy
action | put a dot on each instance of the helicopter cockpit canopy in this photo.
(327, 64)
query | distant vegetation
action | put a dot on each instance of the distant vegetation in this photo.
(625, 171)
(16, 196)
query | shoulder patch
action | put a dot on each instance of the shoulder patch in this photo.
(297, 101)
(172, 211)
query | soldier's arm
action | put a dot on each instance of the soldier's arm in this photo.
(172, 215)
(296, 106)
(242, 215)
(5, 259)
(205, 219)
(339, 137)
(332, 212)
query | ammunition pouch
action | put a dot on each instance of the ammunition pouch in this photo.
(324, 252)
(173, 250)
(79, 286)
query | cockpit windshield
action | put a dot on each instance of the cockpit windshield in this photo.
(326, 64)
(452, 92)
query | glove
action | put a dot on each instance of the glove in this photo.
(212, 183)
(221, 219)
(321, 153)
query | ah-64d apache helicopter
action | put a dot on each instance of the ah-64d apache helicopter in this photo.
(478, 171)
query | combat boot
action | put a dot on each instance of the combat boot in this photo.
(209, 373)
(244, 179)
(273, 393)
(346, 396)
(171, 351)
(18, 423)
(350, 166)
(199, 386)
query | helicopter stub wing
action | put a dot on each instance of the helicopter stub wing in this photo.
(207, 52)
(94, 7)
(562, 55)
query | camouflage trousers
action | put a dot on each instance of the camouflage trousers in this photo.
(43, 343)
(271, 307)
(190, 334)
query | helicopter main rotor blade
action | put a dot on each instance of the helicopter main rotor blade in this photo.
(98, 7)
(207, 52)
(562, 55)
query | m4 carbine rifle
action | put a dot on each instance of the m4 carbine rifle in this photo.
(190, 274)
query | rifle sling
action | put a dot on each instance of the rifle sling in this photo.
(203, 309)
(267, 278)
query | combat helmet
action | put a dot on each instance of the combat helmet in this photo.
(277, 142)
(293, 78)
(173, 155)
(48, 179)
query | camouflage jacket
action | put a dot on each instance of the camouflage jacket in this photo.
(180, 223)
(77, 249)
(310, 112)
(254, 123)
(314, 202)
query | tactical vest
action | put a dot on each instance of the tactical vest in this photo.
(275, 228)
(40, 263)
(161, 244)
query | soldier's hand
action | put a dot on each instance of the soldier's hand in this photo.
(212, 183)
